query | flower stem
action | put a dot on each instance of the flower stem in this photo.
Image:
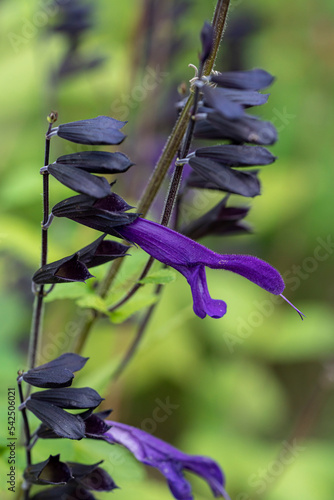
(218, 23)
(171, 147)
(38, 303)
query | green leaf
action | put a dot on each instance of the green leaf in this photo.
(161, 277)
(68, 291)
(93, 302)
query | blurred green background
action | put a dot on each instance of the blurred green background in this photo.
(253, 390)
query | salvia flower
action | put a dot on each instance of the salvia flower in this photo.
(190, 259)
(170, 461)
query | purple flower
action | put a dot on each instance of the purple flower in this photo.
(168, 460)
(190, 258)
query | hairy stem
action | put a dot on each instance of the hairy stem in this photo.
(218, 23)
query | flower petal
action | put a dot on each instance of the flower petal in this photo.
(190, 258)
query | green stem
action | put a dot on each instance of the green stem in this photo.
(135, 344)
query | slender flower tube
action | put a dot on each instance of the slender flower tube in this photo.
(190, 258)
(168, 460)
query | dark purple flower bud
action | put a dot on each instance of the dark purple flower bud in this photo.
(69, 398)
(64, 424)
(101, 251)
(96, 425)
(92, 477)
(222, 104)
(56, 373)
(255, 79)
(207, 36)
(51, 471)
(168, 460)
(247, 98)
(220, 220)
(97, 162)
(103, 214)
(225, 178)
(246, 129)
(237, 156)
(79, 180)
(98, 131)
(65, 270)
(191, 258)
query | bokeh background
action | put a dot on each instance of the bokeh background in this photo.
(253, 390)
